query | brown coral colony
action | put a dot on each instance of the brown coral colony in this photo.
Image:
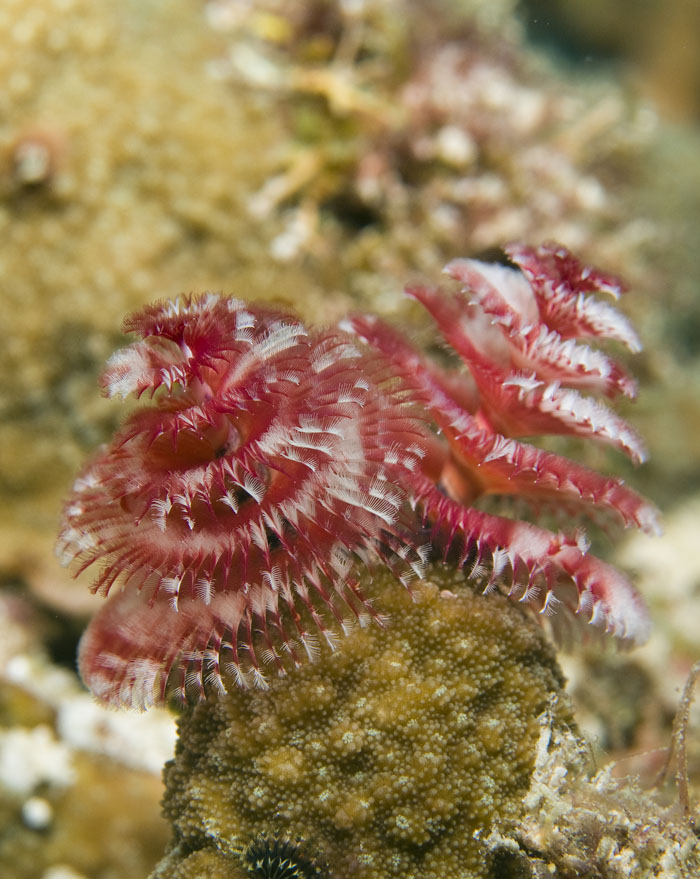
(275, 462)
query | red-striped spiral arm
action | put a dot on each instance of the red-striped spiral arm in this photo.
(234, 514)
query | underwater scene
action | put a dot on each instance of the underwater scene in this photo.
(350, 439)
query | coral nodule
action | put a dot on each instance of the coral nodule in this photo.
(237, 510)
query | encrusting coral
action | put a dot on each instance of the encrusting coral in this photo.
(390, 757)
(103, 200)
(234, 510)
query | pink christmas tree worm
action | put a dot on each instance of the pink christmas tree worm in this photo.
(234, 513)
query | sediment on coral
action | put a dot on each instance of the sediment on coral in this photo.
(392, 757)
(576, 822)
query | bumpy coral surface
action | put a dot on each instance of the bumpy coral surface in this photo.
(274, 462)
(124, 168)
(390, 758)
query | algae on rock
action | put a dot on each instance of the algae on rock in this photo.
(576, 823)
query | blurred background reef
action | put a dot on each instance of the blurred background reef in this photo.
(318, 155)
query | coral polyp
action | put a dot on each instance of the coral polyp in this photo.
(237, 510)
(391, 757)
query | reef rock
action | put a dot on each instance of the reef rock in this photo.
(395, 755)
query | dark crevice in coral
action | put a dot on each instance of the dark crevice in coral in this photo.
(508, 863)
(547, 26)
(352, 213)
